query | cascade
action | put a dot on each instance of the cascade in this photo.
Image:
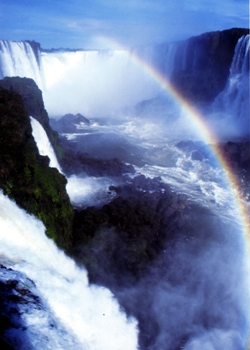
(240, 64)
(43, 143)
(234, 99)
(105, 82)
(93, 83)
(19, 59)
(89, 316)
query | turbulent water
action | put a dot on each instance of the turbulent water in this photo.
(75, 315)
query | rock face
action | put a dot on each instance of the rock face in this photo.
(33, 105)
(21, 306)
(26, 176)
(77, 163)
(202, 64)
(70, 123)
(15, 299)
(238, 154)
(198, 68)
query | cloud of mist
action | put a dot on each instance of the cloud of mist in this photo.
(196, 296)
(94, 83)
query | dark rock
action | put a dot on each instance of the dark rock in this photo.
(19, 297)
(25, 175)
(196, 155)
(203, 79)
(77, 163)
(13, 293)
(200, 69)
(70, 123)
(237, 155)
(197, 150)
(124, 236)
(79, 118)
(33, 105)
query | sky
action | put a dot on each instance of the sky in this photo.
(90, 24)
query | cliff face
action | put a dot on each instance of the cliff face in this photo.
(202, 64)
(25, 176)
(33, 105)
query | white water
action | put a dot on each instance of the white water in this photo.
(80, 190)
(89, 82)
(88, 316)
(43, 144)
(93, 82)
(19, 59)
(84, 191)
(234, 99)
(154, 145)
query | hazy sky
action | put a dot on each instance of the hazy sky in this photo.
(87, 23)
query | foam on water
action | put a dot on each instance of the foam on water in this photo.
(89, 314)
(88, 191)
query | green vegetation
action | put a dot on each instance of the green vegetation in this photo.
(25, 176)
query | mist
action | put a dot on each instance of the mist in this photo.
(194, 295)
(94, 83)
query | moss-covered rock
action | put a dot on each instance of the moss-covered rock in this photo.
(26, 176)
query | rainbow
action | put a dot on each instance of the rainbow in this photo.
(208, 136)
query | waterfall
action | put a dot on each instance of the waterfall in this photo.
(240, 64)
(44, 146)
(106, 82)
(88, 316)
(19, 59)
(94, 83)
(234, 99)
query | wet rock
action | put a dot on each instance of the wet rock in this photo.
(197, 150)
(127, 234)
(77, 163)
(237, 153)
(69, 123)
(201, 81)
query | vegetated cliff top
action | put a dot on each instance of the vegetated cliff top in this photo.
(25, 176)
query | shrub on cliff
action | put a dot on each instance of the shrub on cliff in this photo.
(25, 175)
